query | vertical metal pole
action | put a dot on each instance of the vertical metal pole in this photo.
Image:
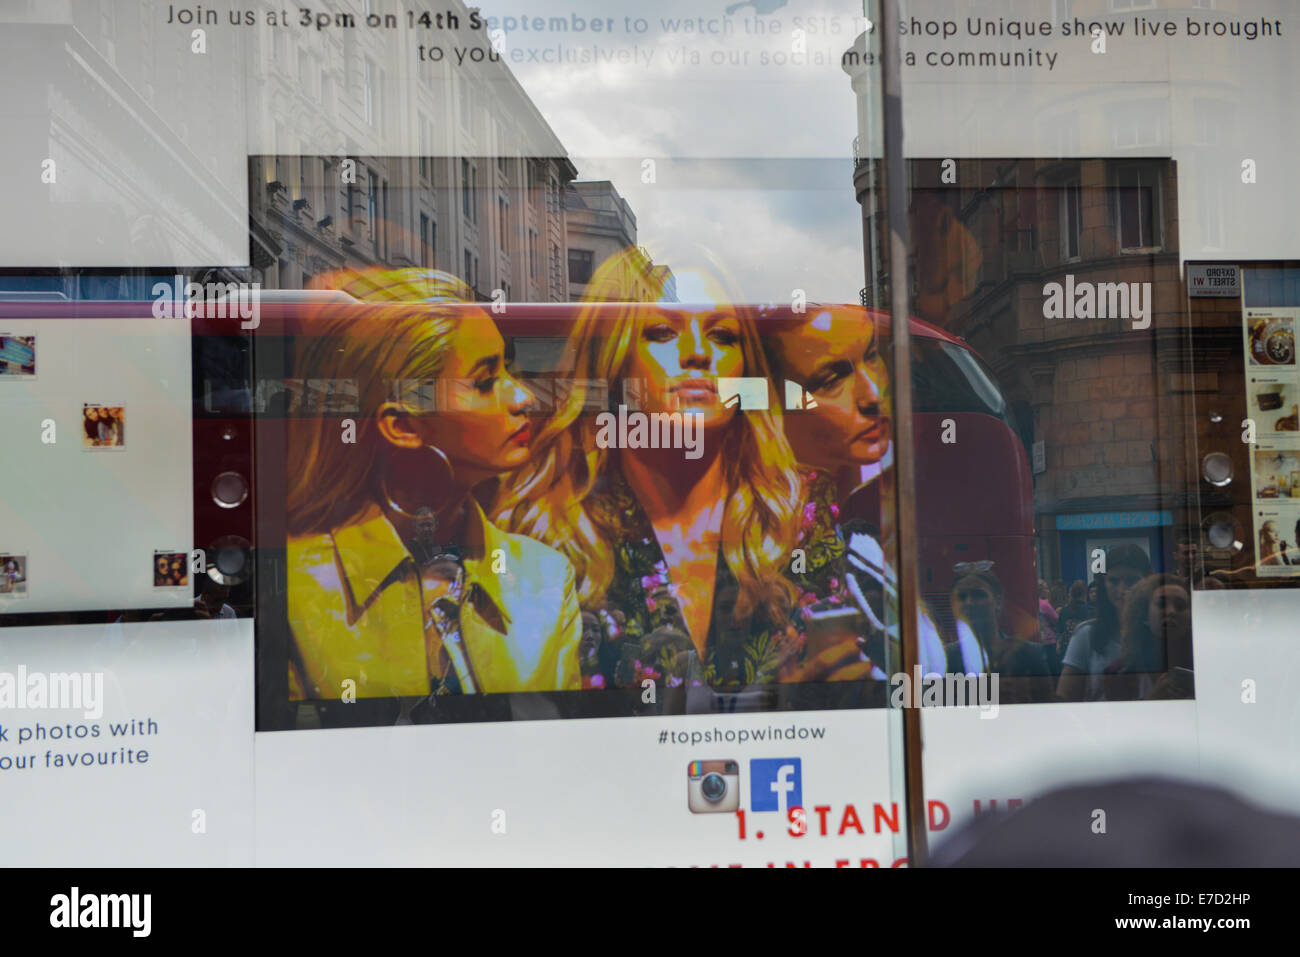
(904, 444)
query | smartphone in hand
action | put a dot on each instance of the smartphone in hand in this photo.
(830, 626)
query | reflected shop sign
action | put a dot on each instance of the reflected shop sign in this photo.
(1210, 281)
(1088, 521)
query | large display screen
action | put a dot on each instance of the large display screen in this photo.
(608, 505)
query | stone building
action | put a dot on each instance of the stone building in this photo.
(601, 224)
(346, 146)
(108, 166)
(452, 164)
(1100, 404)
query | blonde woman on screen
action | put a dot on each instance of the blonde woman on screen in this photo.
(396, 580)
(690, 551)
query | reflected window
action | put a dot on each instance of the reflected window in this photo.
(1137, 206)
(1212, 211)
(1062, 10)
(468, 183)
(1071, 213)
(425, 252)
(426, 146)
(1140, 124)
(1213, 121)
(744, 392)
(581, 264)
(372, 203)
(948, 378)
(368, 88)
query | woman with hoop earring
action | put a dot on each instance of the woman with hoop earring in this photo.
(396, 579)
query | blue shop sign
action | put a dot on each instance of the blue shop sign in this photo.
(1089, 521)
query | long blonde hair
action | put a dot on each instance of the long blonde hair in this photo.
(548, 498)
(386, 352)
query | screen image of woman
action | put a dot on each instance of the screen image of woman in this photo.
(684, 561)
(834, 354)
(396, 579)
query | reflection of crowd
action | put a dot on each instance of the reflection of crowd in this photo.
(1123, 637)
(1137, 642)
(104, 425)
(982, 646)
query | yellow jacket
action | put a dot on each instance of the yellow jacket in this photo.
(355, 612)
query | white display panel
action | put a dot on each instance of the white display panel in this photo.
(606, 792)
(182, 692)
(574, 792)
(568, 789)
(1207, 100)
(1273, 410)
(90, 518)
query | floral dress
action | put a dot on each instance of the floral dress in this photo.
(647, 634)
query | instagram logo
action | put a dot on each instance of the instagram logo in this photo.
(713, 786)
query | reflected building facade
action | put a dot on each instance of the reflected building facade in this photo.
(601, 224)
(110, 164)
(472, 184)
(1096, 398)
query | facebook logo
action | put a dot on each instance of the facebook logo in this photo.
(775, 784)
